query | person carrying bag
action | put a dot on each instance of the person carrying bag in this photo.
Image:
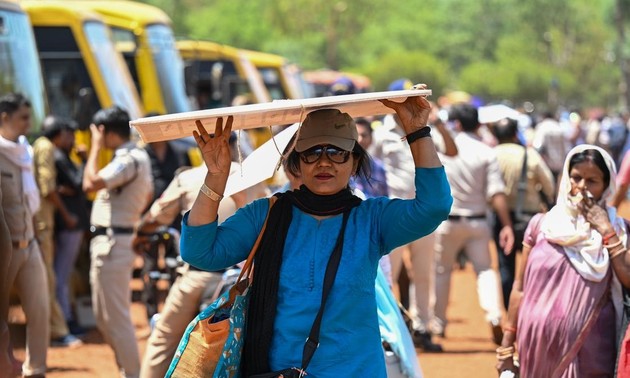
(292, 284)
(213, 341)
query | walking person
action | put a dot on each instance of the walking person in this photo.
(20, 202)
(523, 177)
(68, 234)
(565, 299)
(476, 185)
(388, 146)
(321, 217)
(54, 132)
(123, 190)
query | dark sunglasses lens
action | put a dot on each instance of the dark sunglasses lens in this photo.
(332, 153)
(337, 156)
(312, 155)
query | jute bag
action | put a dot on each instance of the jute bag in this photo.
(212, 343)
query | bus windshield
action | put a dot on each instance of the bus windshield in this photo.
(19, 64)
(271, 78)
(112, 68)
(169, 67)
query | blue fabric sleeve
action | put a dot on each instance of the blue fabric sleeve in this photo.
(212, 247)
(403, 221)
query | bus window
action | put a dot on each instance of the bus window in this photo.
(19, 63)
(169, 67)
(106, 55)
(70, 89)
(272, 81)
(127, 44)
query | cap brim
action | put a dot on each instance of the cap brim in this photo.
(343, 143)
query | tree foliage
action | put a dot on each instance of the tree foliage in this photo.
(495, 49)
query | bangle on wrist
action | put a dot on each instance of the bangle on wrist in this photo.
(617, 253)
(509, 329)
(606, 238)
(609, 246)
(422, 132)
(211, 193)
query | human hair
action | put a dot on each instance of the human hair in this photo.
(292, 163)
(594, 157)
(115, 120)
(364, 122)
(11, 102)
(467, 115)
(54, 125)
(506, 130)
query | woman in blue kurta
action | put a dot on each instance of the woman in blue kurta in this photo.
(303, 229)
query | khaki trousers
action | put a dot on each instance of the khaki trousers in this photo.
(110, 275)
(473, 236)
(181, 306)
(58, 325)
(28, 274)
(422, 277)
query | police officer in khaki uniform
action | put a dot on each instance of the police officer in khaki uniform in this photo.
(20, 201)
(124, 188)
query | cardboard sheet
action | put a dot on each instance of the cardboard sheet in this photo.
(278, 112)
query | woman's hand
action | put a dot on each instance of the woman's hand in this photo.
(413, 112)
(507, 364)
(594, 214)
(215, 148)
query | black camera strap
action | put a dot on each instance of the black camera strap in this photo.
(312, 342)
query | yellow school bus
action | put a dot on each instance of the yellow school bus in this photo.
(276, 75)
(82, 70)
(19, 66)
(215, 74)
(143, 35)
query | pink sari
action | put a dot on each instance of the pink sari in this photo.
(566, 324)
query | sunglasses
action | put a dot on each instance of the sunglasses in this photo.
(334, 154)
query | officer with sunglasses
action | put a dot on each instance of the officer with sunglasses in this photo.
(304, 228)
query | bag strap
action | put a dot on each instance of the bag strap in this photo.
(522, 187)
(248, 266)
(312, 342)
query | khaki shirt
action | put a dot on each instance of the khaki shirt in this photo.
(46, 178)
(510, 156)
(14, 202)
(473, 174)
(128, 188)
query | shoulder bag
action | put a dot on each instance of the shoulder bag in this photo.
(212, 343)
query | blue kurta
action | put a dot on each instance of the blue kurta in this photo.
(350, 342)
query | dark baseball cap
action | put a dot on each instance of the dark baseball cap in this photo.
(327, 126)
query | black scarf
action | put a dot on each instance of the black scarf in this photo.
(261, 312)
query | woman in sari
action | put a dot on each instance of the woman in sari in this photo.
(566, 300)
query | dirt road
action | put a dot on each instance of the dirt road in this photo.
(469, 351)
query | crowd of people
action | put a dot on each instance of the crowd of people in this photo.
(391, 196)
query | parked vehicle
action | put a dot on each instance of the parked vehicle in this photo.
(276, 75)
(143, 34)
(215, 74)
(20, 70)
(81, 68)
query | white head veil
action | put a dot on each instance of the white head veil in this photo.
(565, 225)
